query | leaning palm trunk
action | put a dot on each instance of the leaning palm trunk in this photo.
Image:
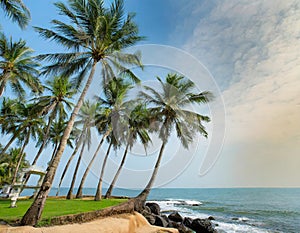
(20, 159)
(2, 86)
(34, 212)
(79, 191)
(109, 191)
(98, 195)
(144, 194)
(45, 138)
(14, 137)
(68, 164)
(70, 192)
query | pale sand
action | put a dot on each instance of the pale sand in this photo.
(126, 223)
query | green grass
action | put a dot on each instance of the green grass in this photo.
(54, 207)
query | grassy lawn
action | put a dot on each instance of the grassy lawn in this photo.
(54, 207)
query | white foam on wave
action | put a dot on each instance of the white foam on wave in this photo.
(171, 202)
(238, 228)
(182, 207)
(192, 202)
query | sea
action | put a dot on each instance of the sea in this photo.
(258, 210)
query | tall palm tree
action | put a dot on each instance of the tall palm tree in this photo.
(17, 66)
(114, 105)
(19, 120)
(55, 105)
(17, 11)
(86, 118)
(8, 164)
(138, 123)
(98, 195)
(26, 125)
(102, 129)
(169, 106)
(94, 34)
(10, 113)
(78, 142)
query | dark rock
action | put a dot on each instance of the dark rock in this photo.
(154, 207)
(176, 217)
(180, 227)
(202, 226)
(165, 217)
(146, 211)
(235, 218)
(187, 222)
(160, 221)
(211, 218)
(150, 218)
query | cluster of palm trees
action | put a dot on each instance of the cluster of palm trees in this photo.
(93, 37)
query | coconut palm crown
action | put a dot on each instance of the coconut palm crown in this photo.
(93, 34)
(17, 67)
(16, 11)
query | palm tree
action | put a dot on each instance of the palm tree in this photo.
(17, 11)
(17, 66)
(26, 124)
(95, 34)
(114, 105)
(138, 123)
(56, 131)
(10, 112)
(86, 118)
(8, 164)
(169, 106)
(98, 195)
(20, 121)
(105, 132)
(78, 142)
(54, 105)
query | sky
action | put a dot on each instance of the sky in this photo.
(248, 53)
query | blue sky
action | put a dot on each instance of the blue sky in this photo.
(252, 52)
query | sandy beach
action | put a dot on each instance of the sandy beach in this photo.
(125, 223)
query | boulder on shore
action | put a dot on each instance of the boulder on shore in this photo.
(154, 207)
(176, 217)
(202, 226)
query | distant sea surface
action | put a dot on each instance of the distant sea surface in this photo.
(234, 209)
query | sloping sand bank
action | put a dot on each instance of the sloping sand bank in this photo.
(125, 223)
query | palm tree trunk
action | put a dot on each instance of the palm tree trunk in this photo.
(79, 191)
(109, 191)
(70, 193)
(21, 158)
(34, 212)
(27, 176)
(14, 137)
(98, 195)
(68, 164)
(3, 83)
(54, 152)
(46, 136)
(144, 194)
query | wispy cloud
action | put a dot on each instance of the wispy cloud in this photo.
(253, 50)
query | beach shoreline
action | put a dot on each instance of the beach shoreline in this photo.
(123, 223)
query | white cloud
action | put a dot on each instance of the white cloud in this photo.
(253, 50)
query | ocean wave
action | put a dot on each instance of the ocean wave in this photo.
(179, 202)
(240, 228)
(224, 224)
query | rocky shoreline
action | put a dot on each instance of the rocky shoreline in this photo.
(155, 217)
